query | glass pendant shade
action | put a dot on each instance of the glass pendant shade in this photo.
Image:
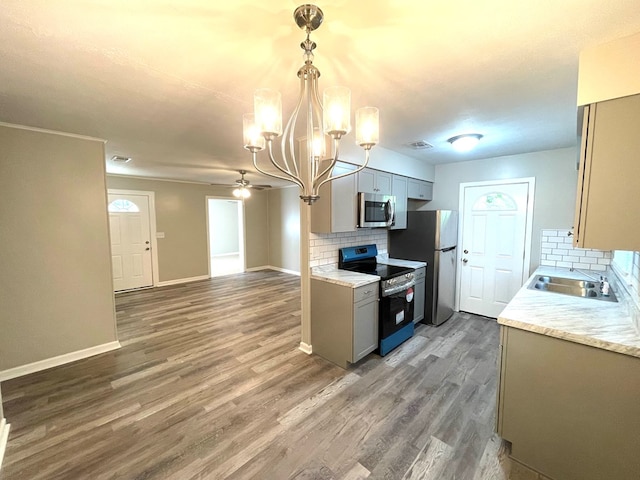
(336, 105)
(241, 193)
(367, 127)
(251, 133)
(319, 144)
(267, 107)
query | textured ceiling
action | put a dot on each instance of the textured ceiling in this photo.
(166, 82)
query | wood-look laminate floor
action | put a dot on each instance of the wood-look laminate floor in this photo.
(210, 384)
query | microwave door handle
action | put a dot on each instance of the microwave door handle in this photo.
(391, 213)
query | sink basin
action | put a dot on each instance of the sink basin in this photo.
(567, 281)
(570, 286)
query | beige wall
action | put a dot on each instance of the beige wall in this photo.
(55, 260)
(181, 215)
(284, 228)
(555, 195)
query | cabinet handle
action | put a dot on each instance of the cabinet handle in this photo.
(367, 292)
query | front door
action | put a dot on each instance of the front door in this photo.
(130, 241)
(495, 233)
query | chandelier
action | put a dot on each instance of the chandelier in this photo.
(308, 167)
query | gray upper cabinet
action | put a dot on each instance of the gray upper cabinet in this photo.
(336, 210)
(419, 190)
(399, 190)
(374, 181)
(607, 215)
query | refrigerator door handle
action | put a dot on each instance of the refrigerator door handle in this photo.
(448, 249)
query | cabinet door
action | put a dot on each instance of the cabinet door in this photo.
(367, 181)
(419, 190)
(399, 190)
(607, 216)
(418, 299)
(344, 199)
(384, 183)
(365, 328)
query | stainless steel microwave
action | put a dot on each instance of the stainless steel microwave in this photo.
(376, 210)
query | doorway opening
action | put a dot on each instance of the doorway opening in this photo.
(225, 231)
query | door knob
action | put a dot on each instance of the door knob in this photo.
(466, 251)
(464, 260)
(147, 242)
(147, 248)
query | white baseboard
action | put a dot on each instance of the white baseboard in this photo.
(271, 267)
(56, 361)
(306, 348)
(182, 280)
(4, 438)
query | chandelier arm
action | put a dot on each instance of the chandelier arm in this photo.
(288, 179)
(289, 132)
(353, 172)
(332, 163)
(318, 110)
(294, 178)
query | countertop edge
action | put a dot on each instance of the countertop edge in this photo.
(572, 337)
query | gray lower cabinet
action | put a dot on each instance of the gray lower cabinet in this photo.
(344, 321)
(571, 411)
(419, 295)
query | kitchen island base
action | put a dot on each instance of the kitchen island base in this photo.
(570, 411)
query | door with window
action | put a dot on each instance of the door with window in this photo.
(495, 238)
(129, 224)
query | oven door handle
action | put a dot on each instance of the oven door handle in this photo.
(392, 291)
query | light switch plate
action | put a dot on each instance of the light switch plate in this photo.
(159, 234)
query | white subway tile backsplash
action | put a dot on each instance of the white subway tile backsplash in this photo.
(324, 246)
(556, 250)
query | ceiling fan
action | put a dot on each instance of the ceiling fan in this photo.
(241, 186)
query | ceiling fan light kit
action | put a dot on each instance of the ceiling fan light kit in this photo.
(465, 142)
(329, 119)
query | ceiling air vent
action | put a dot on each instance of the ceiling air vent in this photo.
(420, 145)
(120, 159)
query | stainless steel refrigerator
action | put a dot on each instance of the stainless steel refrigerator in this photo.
(431, 236)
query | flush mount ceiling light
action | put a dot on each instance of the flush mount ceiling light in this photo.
(329, 119)
(120, 159)
(465, 142)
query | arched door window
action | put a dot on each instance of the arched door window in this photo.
(495, 201)
(123, 206)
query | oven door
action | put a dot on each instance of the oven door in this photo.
(396, 311)
(376, 210)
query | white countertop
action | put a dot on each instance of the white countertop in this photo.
(607, 325)
(332, 274)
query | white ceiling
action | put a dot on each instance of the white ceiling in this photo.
(166, 82)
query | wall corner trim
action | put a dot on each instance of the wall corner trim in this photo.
(306, 348)
(57, 361)
(4, 438)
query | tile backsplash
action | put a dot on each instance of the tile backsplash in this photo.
(556, 250)
(324, 246)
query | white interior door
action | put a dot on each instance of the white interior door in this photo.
(495, 236)
(130, 241)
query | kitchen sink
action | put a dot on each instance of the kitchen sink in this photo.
(570, 286)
